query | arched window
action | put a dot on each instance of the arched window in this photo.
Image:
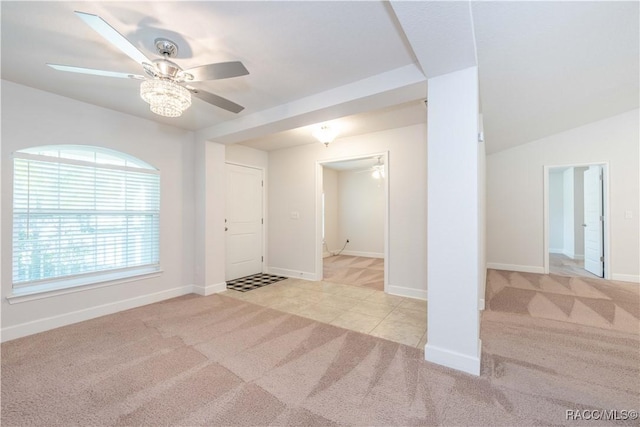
(82, 215)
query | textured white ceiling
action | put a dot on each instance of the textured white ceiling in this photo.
(291, 49)
(544, 67)
(407, 114)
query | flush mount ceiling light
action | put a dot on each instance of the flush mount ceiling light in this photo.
(325, 134)
(165, 97)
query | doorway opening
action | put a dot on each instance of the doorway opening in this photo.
(576, 220)
(352, 221)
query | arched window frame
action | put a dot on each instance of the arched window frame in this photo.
(82, 215)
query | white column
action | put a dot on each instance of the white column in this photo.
(209, 217)
(454, 230)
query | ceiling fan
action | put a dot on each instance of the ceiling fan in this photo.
(377, 170)
(166, 86)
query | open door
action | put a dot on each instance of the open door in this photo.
(244, 221)
(593, 221)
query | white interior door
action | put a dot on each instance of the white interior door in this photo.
(244, 221)
(593, 221)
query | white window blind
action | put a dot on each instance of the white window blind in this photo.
(74, 217)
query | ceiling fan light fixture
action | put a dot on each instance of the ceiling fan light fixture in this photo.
(325, 135)
(378, 172)
(165, 97)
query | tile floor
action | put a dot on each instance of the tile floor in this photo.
(361, 309)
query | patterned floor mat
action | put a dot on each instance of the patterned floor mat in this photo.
(255, 281)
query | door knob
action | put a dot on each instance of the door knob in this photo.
(226, 229)
(584, 225)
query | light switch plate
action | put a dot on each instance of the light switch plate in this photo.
(628, 214)
(294, 215)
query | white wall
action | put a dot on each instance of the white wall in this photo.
(246, 156)
(330, 189)
(578, 212)
(209, 240)
(361, 213)
(556, 211)
(515, 193)
(455, 275)
(292, 174)
(32, 118)
(567, 209)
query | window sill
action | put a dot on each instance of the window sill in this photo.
(69, 286)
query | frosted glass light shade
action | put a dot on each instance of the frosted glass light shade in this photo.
(325, 135)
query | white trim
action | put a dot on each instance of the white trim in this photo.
(481, 304)
(407, 292)
(566, 253)
(294, 274)
(50, 159)
(452, 359)
(361, 254)
(634, 278)
(45, 324)
(32, 293)
(210, 289)
(515, 267)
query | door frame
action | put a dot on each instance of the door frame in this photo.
(319, 178)
(264, 213)
(605, 210)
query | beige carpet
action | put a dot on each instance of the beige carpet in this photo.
(355, 271)
(593, 302)
(220, 361)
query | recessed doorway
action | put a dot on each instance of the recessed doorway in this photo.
(576, 220)
(352, 221)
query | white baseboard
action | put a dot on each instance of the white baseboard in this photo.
(210, 289)
(451, 359)
(294, 274)
(572, 255)
(515, 267)
(362, 254)
(556, 251)
(45, 324)
(481, 304)
(633, 278)
(406, 292)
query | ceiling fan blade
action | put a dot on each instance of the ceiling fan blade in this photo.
(221, 70)
(113, 36)
(95, 72)
(216, 100)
